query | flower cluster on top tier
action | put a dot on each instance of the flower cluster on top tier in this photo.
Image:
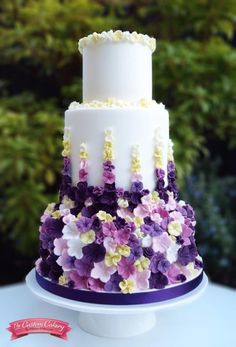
(104, 238)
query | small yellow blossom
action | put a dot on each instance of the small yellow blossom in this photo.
(139, 233)
(142, 263)
(138, 221)
(190, 267)
(62, 280)
(88, 237)
(103, 216)
(175, 228)
(112, 259)
(123, 250)
(155, 197)
(126, 286)
(83, 153)
(50, 208)
(56, 214)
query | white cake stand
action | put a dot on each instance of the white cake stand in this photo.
(114, 320)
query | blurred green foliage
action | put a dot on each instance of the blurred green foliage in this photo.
(194, 70)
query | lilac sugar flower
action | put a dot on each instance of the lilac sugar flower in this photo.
(157, 257)
(83, 175)
(163, 265)
(83, 267)
(136, 187)
(108, 177)
(135, 253)
(160, 173)
(119, 192)
(84, 224)
(113, 284)
(170, 166)
(187, 254)
(147, 229)
(126, 268)
(133, 241)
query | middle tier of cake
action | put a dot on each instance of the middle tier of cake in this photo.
(141, 131)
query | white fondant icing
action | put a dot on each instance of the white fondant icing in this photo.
(130, 126)
(111, 102)
(120, 70)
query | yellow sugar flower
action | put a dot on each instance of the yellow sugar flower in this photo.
(139, 233)
(142, 263)
(126, 286)
(103, 216)
(138, 221)
(56, 214)
(155, 197)
(62, 280)
(123, 250)
(192, 269)
(112, 259)
(50, 208)
(174, 228)
(88, 237)
(65, 153)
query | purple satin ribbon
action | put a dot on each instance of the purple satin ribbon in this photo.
(119, 298)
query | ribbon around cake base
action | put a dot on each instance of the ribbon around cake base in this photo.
(119, 298)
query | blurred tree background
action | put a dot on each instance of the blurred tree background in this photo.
(194, 70)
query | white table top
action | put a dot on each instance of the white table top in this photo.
(209, 321)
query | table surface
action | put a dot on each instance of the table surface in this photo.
(210, 321)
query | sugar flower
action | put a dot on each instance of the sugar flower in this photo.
(84, 224)
(123, 203)
(112, 259)
(127, 286)
(88, 237)
(112, 285)
(70, 231)
(174, 228)
(83, 267)
(161, 243)
(95, 284)
(142, 263)
(109, 244)
(125, 268)
(75, 246)
(102, 271)
(177, 216)
(141, 279)
(123, 250)
(80, 282)
(94, 252)
(109, 228)
(65, 261)
(147, 241)
(59, 245)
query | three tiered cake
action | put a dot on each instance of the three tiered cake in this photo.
(118, 234)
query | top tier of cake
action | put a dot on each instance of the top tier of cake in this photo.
(117, 65)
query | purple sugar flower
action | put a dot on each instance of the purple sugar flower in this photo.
(181, 278)
(158, 280)
(98, 190)
(136, 187)
(108, 166)
(157, 230)
(157, 257)
(187, 254)
(198, 264)
(113, 284)
(94, 253)
(83, 267)
(66, 166)
(160, 184)
(163, 265)
(108, 177)
(135, 253)
(170, 166)
(148, 252)
(50, 229)
(133, 241)
(126, 268)
(83, 175)
(119, 192)
(147, 229)
(84, 224)
(160, 174)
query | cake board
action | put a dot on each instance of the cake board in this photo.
(114, 321)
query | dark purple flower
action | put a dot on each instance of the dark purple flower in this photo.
(157, 230)
(171, 175)
(98, 190)
(198, 264)
(135, 198)
(190, 211)
(147, 220)
(136, 187)
(84, 224)
(108, 166)
(66, 166)
(160, 174)
(187, 254)
(44, 268)
(160, 184)
(148, 252)
(96, 225)
(157, 257)
(50, 229)
(99, 237)
(181, 278)
(119, 222)
(163, 265)
(94, 252)
(113, 284)
(158, 280)
(83, 267)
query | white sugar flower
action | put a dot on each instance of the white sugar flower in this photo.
(75, 247)
(102, 271)
(70, 231)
